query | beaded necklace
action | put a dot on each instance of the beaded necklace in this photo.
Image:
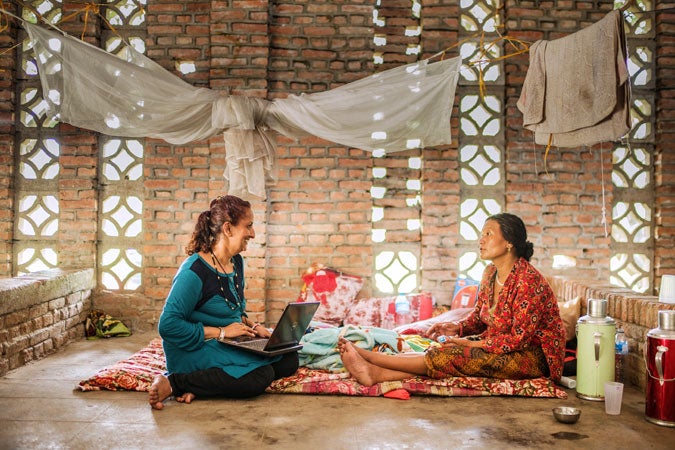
(237, 303)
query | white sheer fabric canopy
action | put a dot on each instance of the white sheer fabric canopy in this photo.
(132, 96)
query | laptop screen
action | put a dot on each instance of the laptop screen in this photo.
(292, 324)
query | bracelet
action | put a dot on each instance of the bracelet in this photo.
(221, 336)
(255, 325)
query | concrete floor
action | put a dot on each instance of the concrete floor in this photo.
(40, 409)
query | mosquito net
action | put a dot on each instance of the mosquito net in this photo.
(129, 95)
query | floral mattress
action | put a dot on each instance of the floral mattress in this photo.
(137, 372)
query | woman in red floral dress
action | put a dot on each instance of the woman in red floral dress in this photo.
(514, 331)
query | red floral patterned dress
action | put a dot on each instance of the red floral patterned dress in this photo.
(524, 322)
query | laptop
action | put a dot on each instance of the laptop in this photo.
(286, 335)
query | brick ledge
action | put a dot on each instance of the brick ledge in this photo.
(634, 312)
(31, 289)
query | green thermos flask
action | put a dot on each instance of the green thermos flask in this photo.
(595, 351)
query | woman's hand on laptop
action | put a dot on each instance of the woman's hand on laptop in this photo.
(237, 329)
(260, 330)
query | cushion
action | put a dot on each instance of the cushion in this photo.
(421, 327)
(372, 312)
(133, 374)
(368, 312)
(570, 310)
(335, 291)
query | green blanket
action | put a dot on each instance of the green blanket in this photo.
(101, 325)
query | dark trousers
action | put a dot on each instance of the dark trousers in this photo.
(215, 382)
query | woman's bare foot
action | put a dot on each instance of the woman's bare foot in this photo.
(357, 366)
(186, 398)
(160, 390)
(364, 353)
(342, 343)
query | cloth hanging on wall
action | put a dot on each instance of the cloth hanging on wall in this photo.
(576, 91)
(129, 95)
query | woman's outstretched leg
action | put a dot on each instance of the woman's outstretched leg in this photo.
(379, 367)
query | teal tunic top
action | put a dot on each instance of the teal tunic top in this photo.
(198, 298)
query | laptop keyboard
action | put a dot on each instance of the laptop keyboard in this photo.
(258, 344)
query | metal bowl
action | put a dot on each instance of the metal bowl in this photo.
(566, 414)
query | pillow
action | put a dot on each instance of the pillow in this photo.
(570, 311)
(135, 373)
(421, 327)
(335, 291)
(368, 312)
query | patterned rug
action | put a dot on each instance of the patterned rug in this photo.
(137, 372)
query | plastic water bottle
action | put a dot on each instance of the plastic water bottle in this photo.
(403, 314)
(620, 352)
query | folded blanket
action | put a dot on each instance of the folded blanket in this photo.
(319, 348)
(576, 91)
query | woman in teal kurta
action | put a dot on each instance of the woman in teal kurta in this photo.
(206, 303)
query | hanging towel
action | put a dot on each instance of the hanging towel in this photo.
(576, 91)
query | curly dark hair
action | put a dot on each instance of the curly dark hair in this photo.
(514, 231)
(226, 208)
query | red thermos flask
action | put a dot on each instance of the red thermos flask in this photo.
(660, 404)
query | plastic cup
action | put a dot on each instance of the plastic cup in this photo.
(667, 291)
(426, 306)
(613, 396)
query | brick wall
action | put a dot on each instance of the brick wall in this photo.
(320, 209)
(41, 313)
(665, 140)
